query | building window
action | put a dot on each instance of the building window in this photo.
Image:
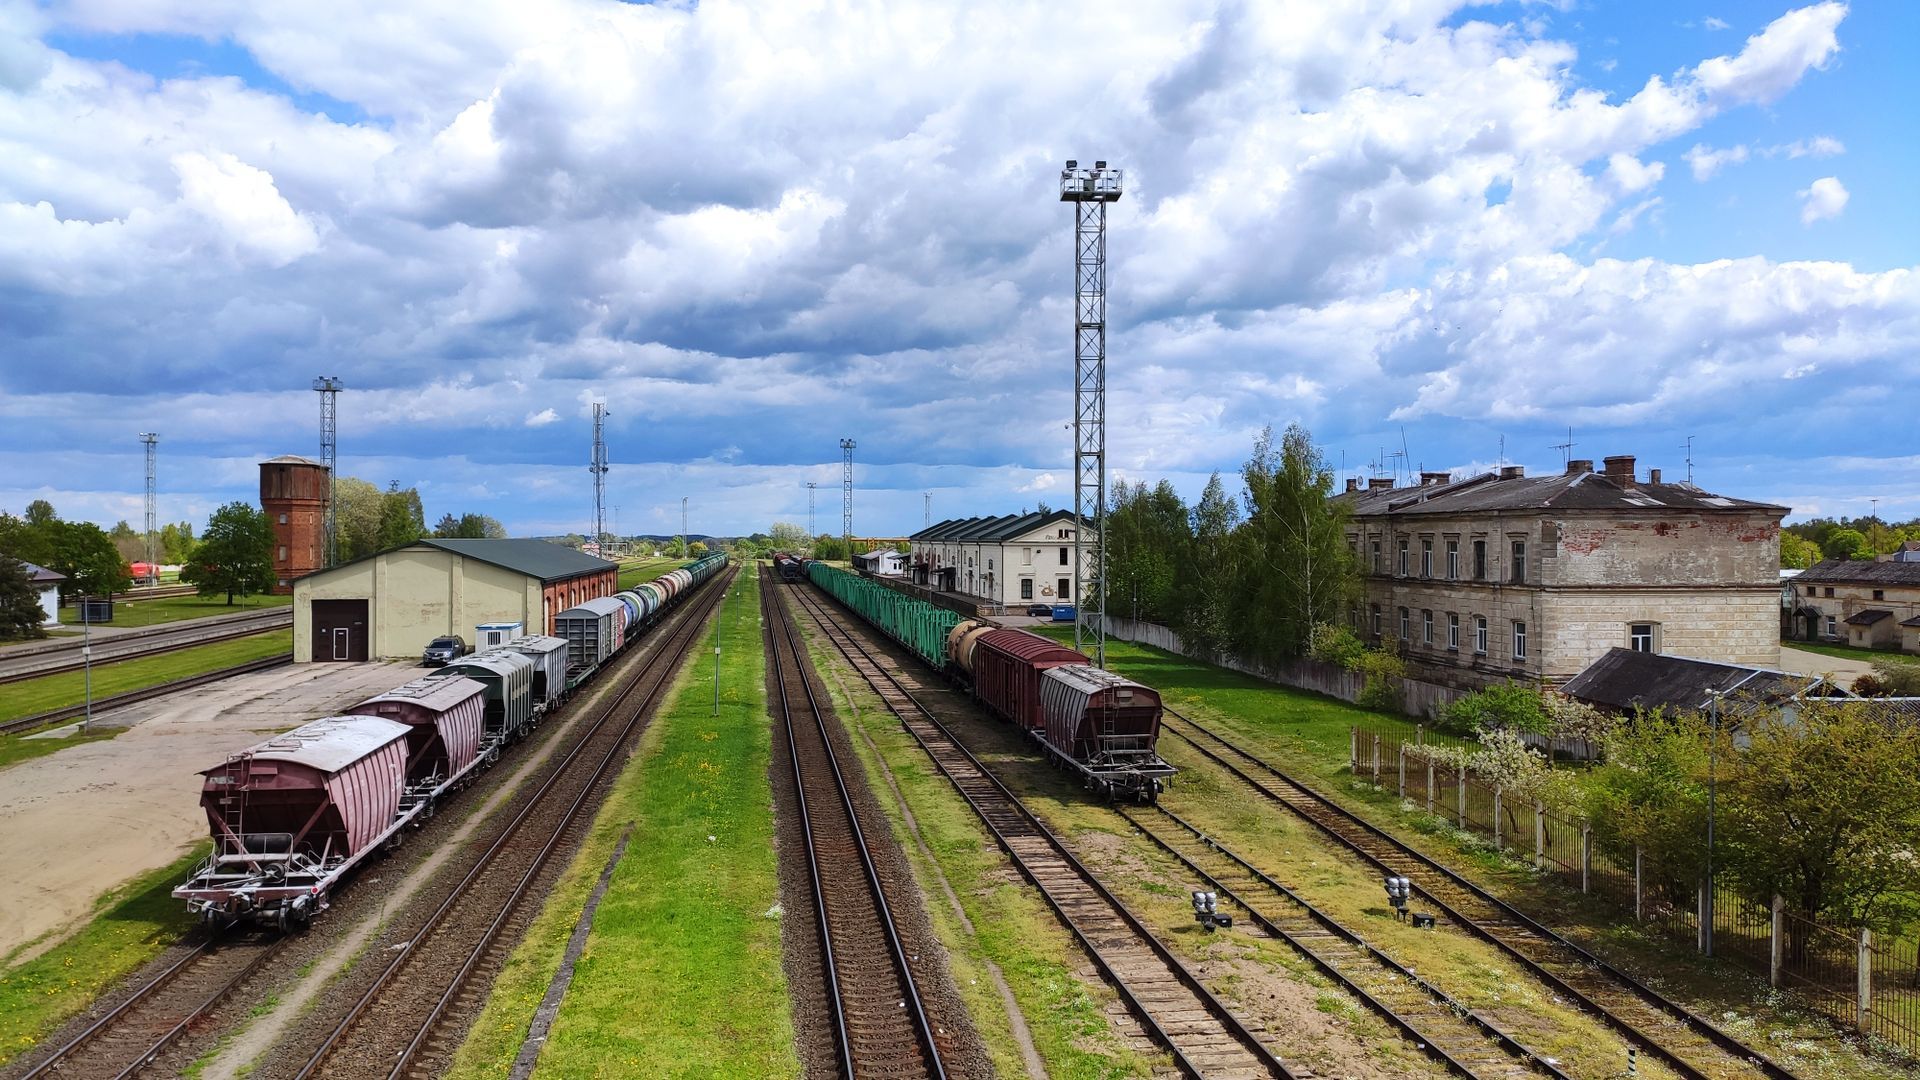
(1063, 556)
(1479, 560)
(1426, 558)
(1640, 637)
(1879, 594)
(283, 553)
(1829, 592)
(989, 565)
(1480, 634)
(283, 519)
(1833, 628)
(1026, 588)
(1376, 556)
(1426, 626)
(1406, 625)
(1453, 631)
(1519, 574)
(1403, 556)
(1519, 641)
(1066, 589)
(1375, 611)
(1353, 545)
(1453, 560)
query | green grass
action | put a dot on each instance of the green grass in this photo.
(47, 692)
(134, 923)
(46, 635)
(644, 570)
(15, 749)
(1849, 652)
(681, 975)
(177, 609)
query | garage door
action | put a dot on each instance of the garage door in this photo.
(339, 630)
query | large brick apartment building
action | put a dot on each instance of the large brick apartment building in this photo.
(1504, 576)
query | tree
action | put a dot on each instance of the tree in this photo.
(235, 555)
(696, 549)
(787, 536)
(131, 545)
(1897, 678)
(40, 513)
(20, 611)
(83, 552)
(356, 517)
(1846, 544)
(1797, 552)
(402, 521)
(176, 542)
(1209, 574)
(1650, 794)
(1148, 537)
(1297, 569)
(469, 527)
(24, 541)
(829, 548)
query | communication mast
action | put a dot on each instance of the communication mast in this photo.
(329, 388)
(846, 495)
(811, 534)
(152, 440)
(1090, 190)
(599, 471)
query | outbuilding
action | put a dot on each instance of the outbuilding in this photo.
(393, 603)
(47, 583)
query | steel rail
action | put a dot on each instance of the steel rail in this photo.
(1011, 807)
(1297, 793)
(676, 646)
(158, 648)
(922, 1025)
(134, 697)
(1425, 1040)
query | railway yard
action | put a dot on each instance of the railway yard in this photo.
(783, 825)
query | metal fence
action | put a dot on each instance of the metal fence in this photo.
(1869, 984)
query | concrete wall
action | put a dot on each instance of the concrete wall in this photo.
(416, 594)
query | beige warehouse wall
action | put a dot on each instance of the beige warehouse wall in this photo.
(415, 595)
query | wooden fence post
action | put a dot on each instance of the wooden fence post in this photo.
(1586, 855)
(1539, 836)
(1496, 819)
(1460, 778)
(1866, 980)
(1429, 785)
(1777, 951)
(1639, 905)
(1376, 761)
(1353, 752)
(1400, 756)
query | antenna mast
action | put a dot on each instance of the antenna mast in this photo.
(329, 388)
(812, 535)
(1090, 190)
(846, 495)
(599, 471)
(152, 440)
(1565, 448)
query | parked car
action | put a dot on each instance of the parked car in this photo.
(444, 650)
(1040, 611)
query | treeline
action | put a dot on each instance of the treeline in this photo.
(1862, 538)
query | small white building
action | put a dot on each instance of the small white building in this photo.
(1011, 560)
(47, 584)
(885, 563)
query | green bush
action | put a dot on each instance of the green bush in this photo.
(1508, 706)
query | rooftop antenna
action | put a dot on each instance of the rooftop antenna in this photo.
(152, 440)
(846, 495)
(1090, 190)
(1566, 449)
(599, 471)
(329, 388)
(1689, 450)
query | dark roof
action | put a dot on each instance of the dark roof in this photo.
(1850, 571)
(1913, 622)
(41, 573)
(1576, 491)
(294, 459)
(534, 558)
(1868, 617)
(987, 530)
(1624, 679)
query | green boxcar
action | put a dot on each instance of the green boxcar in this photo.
(912, 622)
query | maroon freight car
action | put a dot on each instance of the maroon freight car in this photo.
(444, 717)
(1006, 673)
(1106, 725)
(292, 814)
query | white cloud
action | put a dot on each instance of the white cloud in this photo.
(1629, 174)
(1713, 22)
(1822, 199)
(1774, 59)
(1706, 161)
(541, 418)
(241, 200)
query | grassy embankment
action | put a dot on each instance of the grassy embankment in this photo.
(132, 924)
(1849, 652)
(681, 975)
(1007, 925)
(641, 571)
(130, 614)
(1306, 734)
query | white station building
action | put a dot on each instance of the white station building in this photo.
(1011, 560)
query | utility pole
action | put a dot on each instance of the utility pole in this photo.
(846, 495)
(599, 471)
(812, 535)
(152, 440)
(329, 388)
(1090, 190)
(683, 525)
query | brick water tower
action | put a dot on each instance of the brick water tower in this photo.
(293, 492)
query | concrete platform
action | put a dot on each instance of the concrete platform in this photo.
(89, 817)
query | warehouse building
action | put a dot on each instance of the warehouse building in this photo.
(1014, 559)
(390, 605)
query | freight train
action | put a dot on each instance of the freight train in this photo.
(1102, 727)
(291, 817)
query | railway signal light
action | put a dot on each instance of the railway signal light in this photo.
(1206, 911)
(1399, 891)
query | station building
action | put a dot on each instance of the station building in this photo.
(1009, 560)
(390, 605)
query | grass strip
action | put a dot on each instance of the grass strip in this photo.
(133, 924)
(639, 573)
(1850, 652)
(29, 696)
(681, 974)
(169, 609)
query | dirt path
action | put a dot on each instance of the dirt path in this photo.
(1801, 662)
(89, 817)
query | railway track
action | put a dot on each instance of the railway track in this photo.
(132, 1034)
(107, 653)
(134, 697)
(401, 1025)
(1177, 1011)
(1685, 1041)
(879, 1020)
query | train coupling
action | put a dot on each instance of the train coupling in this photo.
(1206, 911)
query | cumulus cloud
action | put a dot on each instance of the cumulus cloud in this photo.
(1705, 161)
(541, 418)
(1713, 22)
(1822, 199)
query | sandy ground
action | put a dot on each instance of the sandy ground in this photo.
(1801, 662)
(85, 819)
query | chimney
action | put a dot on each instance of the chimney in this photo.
(1579, 465)
(1512, 472)
(1653, 476)
(1434, 478)
(1353, 483)
(1380, 483)
(1619, 469)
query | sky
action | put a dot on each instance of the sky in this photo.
(1445, 231)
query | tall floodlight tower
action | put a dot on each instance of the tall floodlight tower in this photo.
(599, 471)
(846, 495)
(152, 440)
(926, 511)
(1090, 190)
(811, 535)
(329, 388)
